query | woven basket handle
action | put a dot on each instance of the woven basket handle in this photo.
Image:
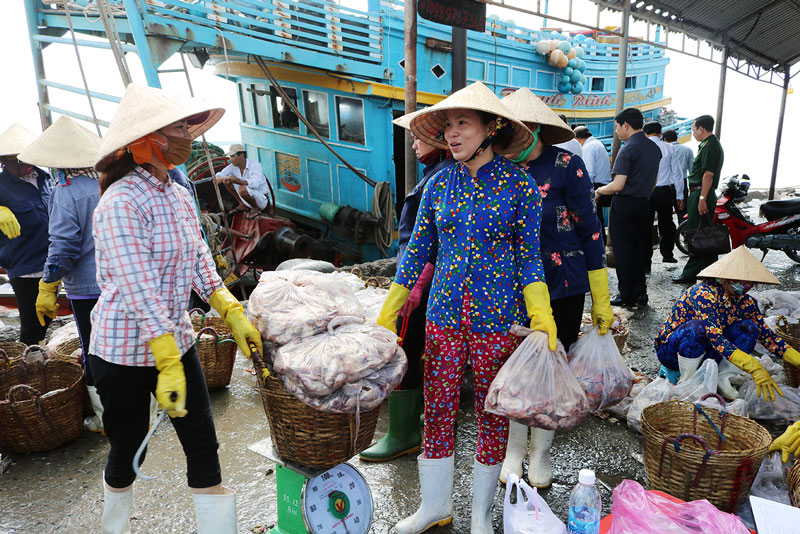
(201, 312)
(6, 359)
(19, 389)
(210, 330)
(717, 396)
(676, 443)
(27, 352)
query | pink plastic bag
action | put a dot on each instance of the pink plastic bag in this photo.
(636, 511)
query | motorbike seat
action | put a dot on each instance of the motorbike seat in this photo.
(775, 209)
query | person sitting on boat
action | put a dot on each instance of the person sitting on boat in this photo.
(405, 403)
(245, 181)
(483, 215)
(573, 255)
(716, 318)
(70, 150)
(24, 218)
(149, 255)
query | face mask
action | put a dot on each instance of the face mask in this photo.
(740, 288)
(179, 150)
(148, 147)
(523, 156)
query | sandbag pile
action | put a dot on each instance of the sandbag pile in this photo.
(330, 356)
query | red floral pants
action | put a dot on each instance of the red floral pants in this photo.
(447, 351)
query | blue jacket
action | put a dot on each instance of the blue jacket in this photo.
(570, 236)
(408, 215)
(71, 253)
(25, 254)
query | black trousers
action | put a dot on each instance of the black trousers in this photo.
(125, 392)
(630, 235)
(414, 343)
(25, 291)
(568, 313)
(603, 201)
(82, 310)
(661, 203)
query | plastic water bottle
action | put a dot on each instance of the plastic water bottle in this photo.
(585, 505)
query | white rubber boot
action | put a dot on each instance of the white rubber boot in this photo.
(484, 488)
(540, 468)
(116, 511)
(688, 367)
(436, 486)
(94, 423)
(727, 371)
(216, 513)
(515, 451)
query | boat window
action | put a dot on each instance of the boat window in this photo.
(630, 82)
(351, 119)
(282, 114)
(258, 93)
(244, 104)
(598, 84)
(315, 105)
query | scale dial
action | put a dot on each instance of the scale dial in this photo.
(337, 502)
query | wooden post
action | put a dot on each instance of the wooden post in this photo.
(622, 70)
(723, 71)
(459, 55)
(410, 68)
(780, 132)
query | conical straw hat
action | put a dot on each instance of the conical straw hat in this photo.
(430, 122)
(143, 110)
(739, 265)
(529, 108)
(64, 145)
(15, 139)
(405, 120)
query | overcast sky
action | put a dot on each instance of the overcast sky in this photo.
(749, 122)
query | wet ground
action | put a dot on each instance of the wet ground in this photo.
(60, 491)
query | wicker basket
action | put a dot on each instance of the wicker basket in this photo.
(64, 350)
(42, 403)
(793, 479)
(309, 437)
(217, 323)
(790, 333)
(217, 356)
(12, 349)
(679, 460)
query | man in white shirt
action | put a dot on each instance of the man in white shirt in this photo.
(669, 187)
(572, 145)
(244, 179)
(595, 156)
(685, 158)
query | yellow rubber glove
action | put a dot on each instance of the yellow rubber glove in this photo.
(46, 300)
(394, 301)
(537, 302)
(602, 314)
(8, 223)
(171, 385)
(788, 442)
(232, 313)
(765, 385)
(792, 357)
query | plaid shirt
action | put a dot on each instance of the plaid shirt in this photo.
(149, 253)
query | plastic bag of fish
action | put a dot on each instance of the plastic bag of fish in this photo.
(535, 387)
(350, 367)
(597, 364)
(287, 306)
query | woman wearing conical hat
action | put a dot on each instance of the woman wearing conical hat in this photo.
(150, 254)
(716, 318)
(405, 403)
(483, 214)
(70, 151)
(24, 197)
(573, 255)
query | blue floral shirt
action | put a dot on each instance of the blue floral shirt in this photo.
(707, 301)
(571, 241)
(487, 230)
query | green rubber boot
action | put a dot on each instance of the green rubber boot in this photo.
(403, 436)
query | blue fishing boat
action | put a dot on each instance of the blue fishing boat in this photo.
(335, 170)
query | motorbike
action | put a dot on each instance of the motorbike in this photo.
(779, 232)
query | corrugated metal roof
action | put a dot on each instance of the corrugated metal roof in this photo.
(762, 32)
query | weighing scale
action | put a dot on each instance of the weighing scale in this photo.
(335, 501)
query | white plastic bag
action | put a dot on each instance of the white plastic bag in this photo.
(597, 364)
(785, 408)
(658, 390)
(702, 382)
(528, 515)
(535, 386)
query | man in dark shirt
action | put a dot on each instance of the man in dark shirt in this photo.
(703, 182)
(634, 173)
